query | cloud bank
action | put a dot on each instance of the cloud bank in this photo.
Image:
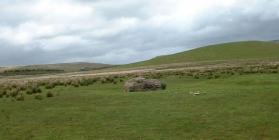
(118, 32)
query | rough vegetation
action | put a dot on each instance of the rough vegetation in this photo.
(14, 88)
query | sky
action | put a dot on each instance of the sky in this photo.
(126, 31)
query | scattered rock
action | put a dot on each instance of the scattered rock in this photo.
(142, 84)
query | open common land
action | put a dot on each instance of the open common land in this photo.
(215, 92)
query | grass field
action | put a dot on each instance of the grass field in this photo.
(227, 51)
(237, 107)
(239, 99)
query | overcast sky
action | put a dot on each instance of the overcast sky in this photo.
(124, 31)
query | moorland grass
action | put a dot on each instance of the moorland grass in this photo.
(228, 51)
(236, 107)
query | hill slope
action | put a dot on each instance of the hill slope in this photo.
(227, 51)
(51, 68)
(68, 67)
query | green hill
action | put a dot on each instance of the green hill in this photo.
(69, 67)
(51, 68)
(227, 51)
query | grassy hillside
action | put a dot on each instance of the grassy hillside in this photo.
(67, 67)
(227, 51)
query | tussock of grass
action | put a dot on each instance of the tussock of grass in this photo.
(49, 94)
(38, 97)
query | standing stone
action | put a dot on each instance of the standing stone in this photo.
(142, 84)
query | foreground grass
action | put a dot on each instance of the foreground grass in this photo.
(239, 107)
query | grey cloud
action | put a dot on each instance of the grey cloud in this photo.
(123, 32)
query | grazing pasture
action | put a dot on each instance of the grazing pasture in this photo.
(230, 96)
(235, 107)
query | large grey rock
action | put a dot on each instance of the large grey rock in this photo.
(142, 84)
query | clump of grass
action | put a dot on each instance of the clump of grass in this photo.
(3, 93)
(196, 76)
(74, 83)
(38, 97)
(49, 94)
(87, 81)
(33, 90)
(50, 85)
(164, 86)
(19, 97)
(103, 80)
(13, 92)
(217, 76)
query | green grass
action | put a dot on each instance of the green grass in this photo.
(227, 51)
(239, 107)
